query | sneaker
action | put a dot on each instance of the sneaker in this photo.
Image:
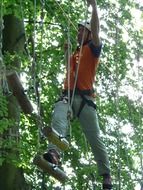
(52, 156)
(107, 185)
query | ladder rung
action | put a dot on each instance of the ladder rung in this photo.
(18, 91)
(52, 169)
(55, 138)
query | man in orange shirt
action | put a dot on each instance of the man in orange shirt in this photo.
(83, 65)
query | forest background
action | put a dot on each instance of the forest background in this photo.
(32, 40)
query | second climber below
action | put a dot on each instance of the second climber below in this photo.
(83, 106)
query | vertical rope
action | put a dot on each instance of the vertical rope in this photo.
(77, 68)
(117, 104)
(32, 58)
(34, 55)
(65, 14)
(41, 50)
(34, 76)
(68, 71)
(139, 136)
(39, 85)
(71, 98)
(75, 83)
(38, 68)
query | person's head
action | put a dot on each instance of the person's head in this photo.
(84, 32)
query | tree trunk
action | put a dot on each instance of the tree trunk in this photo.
(11, 177)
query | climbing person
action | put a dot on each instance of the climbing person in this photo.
(82, 76)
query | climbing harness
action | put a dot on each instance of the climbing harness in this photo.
(85, 100)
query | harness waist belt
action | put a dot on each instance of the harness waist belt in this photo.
(80, 92)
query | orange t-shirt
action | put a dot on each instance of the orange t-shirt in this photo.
(88, 62)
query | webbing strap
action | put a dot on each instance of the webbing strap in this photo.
(83, 102)
(79, 92)
(89, 102)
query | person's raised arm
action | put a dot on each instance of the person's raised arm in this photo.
(94, 22)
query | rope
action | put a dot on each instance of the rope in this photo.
(37, 80)
(139, 138)
(65, 14)
(71, 99)
(138, 132)
(36, 84)
(77, 68)
(117, 106)
(41, 56)
(118, 82)
(68, 54)
(68, 70)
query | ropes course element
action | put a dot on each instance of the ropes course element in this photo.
(55, 138)
(52, 135)
(35, 79)
(117, 106)
(65, 14)
(68, 54)
(64, 28)
(10, 77)
(56, 172)
(19, 93)
(71, 97)
(139, 135)
(38, 160)
(78, 61)
(117, 111)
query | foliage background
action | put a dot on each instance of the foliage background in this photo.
(119, 86)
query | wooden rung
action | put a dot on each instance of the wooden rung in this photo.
(53, 170)
(18, 91)
(54, 137)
